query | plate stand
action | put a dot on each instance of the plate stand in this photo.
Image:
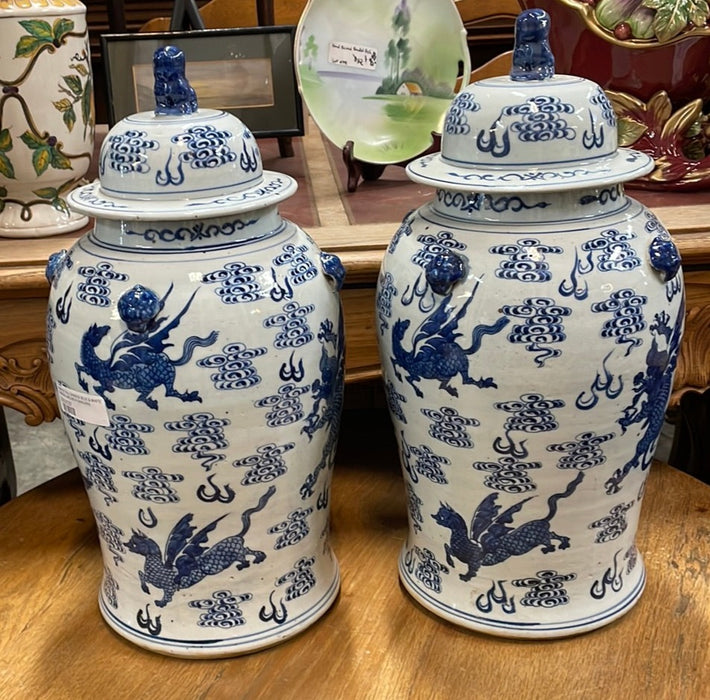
(360, 169)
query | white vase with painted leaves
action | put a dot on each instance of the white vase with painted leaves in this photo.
(46, 115)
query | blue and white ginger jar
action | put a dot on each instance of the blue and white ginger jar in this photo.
(196, 346)
(529, 320)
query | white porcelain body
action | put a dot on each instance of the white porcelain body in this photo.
(527, 396)
(46, 116)
(227, 421)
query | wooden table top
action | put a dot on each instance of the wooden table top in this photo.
(375, 642)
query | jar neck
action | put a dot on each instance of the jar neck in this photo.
(188, 235)
(534, 207)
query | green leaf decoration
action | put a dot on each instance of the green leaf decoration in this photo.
(630, 131)
(31, 141)
(673, 16)
(59, 203)
(86, 103)
(5, 140)
(41, 159)
(3, 192)
(80, 68)
(698, 14)
(6, 168)
(28, 46)
(62, 105)
(73, 82)
(47, 193)
(59, 160)
(69, 118)
(61, 28)
(39, 29)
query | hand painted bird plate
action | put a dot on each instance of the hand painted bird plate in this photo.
(380, 73)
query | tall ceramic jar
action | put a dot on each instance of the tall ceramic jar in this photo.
(529, 321)
(197, 353)
(46, 115)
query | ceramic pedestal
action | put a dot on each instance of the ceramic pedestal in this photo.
(46, 115)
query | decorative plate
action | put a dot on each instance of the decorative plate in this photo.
(380, 73)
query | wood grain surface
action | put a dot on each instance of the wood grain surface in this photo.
(375, 642)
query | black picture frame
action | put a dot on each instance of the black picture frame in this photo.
(248, 72)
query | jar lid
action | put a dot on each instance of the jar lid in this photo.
(179, 162)
(532, 130)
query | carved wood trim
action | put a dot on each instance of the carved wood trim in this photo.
(693, 370)
(25, 383)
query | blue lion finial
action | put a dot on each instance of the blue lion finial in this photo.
(532, 56)
(173, 93)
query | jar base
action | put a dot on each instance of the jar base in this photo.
(527, 627)
(224, 646)
(44, 222)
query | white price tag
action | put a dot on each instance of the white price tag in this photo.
(352, 55)
(84, 407)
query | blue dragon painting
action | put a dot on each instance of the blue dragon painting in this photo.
(138, 359)
(652, 389)
(326, 390)
(436, 353)
(491, 540)
(187, 560)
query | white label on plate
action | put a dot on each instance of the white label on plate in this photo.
(351, 55)
(84, 407)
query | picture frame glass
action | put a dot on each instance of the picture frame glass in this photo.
(247, 72)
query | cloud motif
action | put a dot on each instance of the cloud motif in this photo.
(235, 367)
(301, 268)
(599, 99)
(614, 253)
(126, 152)
(292, 325)
(541, 119)
(266, 465)
(526, 260)
(237, 282)
(582, 453)
(206, 147)
(457, 118)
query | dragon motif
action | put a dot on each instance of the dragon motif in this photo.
(652, 390)
(186, 560)
(491, 540)
(327, 389)
(435, 352)
(138, 359)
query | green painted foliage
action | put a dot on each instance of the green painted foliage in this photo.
(41, 34)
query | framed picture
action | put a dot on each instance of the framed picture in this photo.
(247, 72)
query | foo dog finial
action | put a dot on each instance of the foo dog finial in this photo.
(532, 56)
(173, 93)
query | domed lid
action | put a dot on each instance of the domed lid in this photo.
(533, 130)
(179, 162)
